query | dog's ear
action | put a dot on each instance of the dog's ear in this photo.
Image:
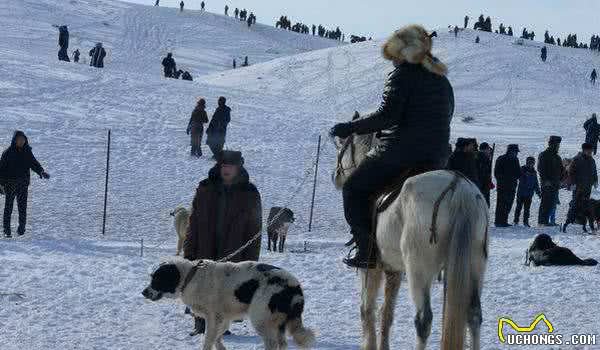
(166, 278)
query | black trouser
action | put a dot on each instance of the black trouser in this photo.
(485, 190)
(18, 191)
(577, 206)
(504, 201)
(196, 141)
(373, 174)
(63, 55)
(549, 194)
(216, 147)
(523, 203)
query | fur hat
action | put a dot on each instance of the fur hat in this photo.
(554, 140)
(412, 44)
(231, 158)
(484, 146)
(512, 148)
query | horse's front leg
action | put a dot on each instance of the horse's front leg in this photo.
(392, 285)
(371, 281)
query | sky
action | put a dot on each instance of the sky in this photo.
(379, 18)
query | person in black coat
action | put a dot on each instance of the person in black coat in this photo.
(196, 127)
(63, 42)
(413, 127)
(76, 56)
(15, 165)
(592, 132)
(97, 55)
(551, 171)
(507, 173)
(583, 176)
(528, 185)
(593, 77)
(169, 66)
(463, 159)
(544, 54)
(484, 170)
(217, 128)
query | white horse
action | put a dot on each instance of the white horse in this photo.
(414, 241)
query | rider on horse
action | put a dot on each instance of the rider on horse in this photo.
(413, 126)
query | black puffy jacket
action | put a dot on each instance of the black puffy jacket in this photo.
(550, 168)
(484, 170)
(507, 170)
(466, 163)
(582, 171)
(414, 118)
(217, 128)
(15, 164)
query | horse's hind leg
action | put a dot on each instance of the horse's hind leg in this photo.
(475, 319)
(392, 285)
(371, 281)
(419, 289)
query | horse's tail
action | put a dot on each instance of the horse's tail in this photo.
(465, 265)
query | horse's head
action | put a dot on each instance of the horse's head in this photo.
(351, 151)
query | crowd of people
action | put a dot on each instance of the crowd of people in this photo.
(285, 23)
(97, 53)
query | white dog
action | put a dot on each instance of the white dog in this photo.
(182, 218)
(223, 292)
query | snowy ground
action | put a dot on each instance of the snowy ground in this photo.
(82, 290)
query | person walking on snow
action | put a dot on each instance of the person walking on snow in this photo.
(583, 176)
(169, 65)
(196, 127)
(181, 4)
(76, 56)
(97, 55)
(544, 54)
(202, 4)
(15, 165)
(507, 173)
(217, 128)
(528, 185)
(414, 126)
(593, 77)
(63, 43)
(226, 10)
(592, 132)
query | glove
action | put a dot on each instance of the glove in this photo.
(341, 130)
(45, 175)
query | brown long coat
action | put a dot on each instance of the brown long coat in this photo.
(241, 221)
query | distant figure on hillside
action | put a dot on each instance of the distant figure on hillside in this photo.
(186, 76)
(593, 77)
(510, 31)
(234, 64)
(249, 21)
(181, 4)
(63, 42)
(226, 10)
(217, 129)
(466, 21)
(169, 65)
(477, 40)
(76, 56)
(544, 54)
(592, 132)
(157, 3)
(245, 64)
(196, 127)
(456, 31)
(97, 55)
(202, 4)
(236, 13)
(314, 28)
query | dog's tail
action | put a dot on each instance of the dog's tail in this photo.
(589, 262)
(303, 337)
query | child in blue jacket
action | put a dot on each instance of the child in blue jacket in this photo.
(528, 185)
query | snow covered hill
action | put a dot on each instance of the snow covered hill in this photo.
(82, 291)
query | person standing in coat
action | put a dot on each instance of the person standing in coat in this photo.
(593, 76)
(226, 214)
(592, 131)
(528, 185)
(169, 66)
(196, 127)
(413, 127)
(181, 5)
(583, 176)
(76, 56)
(551, 170)
(466, 21)
(507, 173)
(463, 159)
(15, 165)
(63, 43)
(544, 54)
(217, 129)
(484, 170)
(97, 55)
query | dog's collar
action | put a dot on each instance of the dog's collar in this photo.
(190, 275)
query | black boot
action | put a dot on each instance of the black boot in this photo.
(366, 251)
(199, 326)
(7, 234)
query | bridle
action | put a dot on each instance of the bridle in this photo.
(348, 143)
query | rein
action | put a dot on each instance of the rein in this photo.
(348, 143)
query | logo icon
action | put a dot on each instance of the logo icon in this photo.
(539, 318)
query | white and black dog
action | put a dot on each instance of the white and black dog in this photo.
(223, 292)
